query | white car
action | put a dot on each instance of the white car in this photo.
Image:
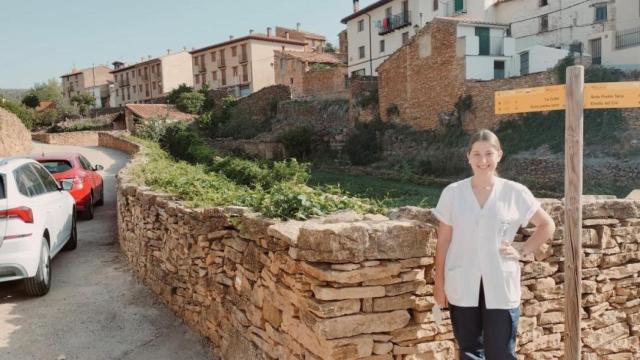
(37, 220)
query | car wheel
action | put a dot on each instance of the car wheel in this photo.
(101, 201)
(72, 243)
(39, 285)
(88, 214)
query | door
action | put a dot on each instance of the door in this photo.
(61, 221)
(485, 41)
(3, 206)
(596, 51)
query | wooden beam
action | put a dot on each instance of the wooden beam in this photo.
(574, 118)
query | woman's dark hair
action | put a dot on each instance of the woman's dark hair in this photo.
(484, 135)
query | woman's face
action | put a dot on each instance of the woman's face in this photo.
(484, 158)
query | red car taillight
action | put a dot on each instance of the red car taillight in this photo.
(24, 213)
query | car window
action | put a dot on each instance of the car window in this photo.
(56, 166)
(21, 183)
(32, 184)
(85, 163)
(49, 183)
(3, 191)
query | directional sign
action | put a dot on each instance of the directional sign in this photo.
(612, 95)
(543, 98)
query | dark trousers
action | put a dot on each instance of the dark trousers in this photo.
(485, 333)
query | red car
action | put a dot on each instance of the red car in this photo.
(88, 187)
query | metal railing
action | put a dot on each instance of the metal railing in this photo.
(627, 38)
(393, 22)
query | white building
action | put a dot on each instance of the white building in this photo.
(607, 30)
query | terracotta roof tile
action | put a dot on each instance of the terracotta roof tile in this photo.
(148, 111)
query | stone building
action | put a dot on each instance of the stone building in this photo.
(297, 68)
(94, 80)
(150, 80)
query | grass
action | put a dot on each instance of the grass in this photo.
(391, 193)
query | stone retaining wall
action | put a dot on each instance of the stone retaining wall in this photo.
(350, 286)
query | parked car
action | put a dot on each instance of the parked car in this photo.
(37, 220)
(88, 186)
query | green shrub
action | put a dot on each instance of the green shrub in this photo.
(364, 146)
(25, 114)
(152, 129)
(31, 101)
(173, 96)
(367, 99)
(183, 143)
(298, 142)
(190, 102)
(240, 171)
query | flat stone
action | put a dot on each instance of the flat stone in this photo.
(404, 301)
(329, 293)
(324, 273)
(345, 267)
(330, 309)
(597, 338)
(414, 332)
(382, 348)
(351, 325)
(593, 222)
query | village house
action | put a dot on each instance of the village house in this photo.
(607, 30)
(150, 80)
(94, 80)
(243, 65)
(315, 42)
(297, 69)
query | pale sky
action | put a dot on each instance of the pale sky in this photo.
(43, 39)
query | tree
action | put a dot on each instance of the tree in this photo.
(48, 91)
(83, 101)
(190, 102)
(31, 100)
(329, 48)
(173, 96)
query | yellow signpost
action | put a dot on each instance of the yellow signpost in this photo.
(573, 98)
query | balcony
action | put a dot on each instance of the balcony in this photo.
(394, 22)
(123, 83)
(222, 63)
(243, 58)
(627, 38)
(202, 69)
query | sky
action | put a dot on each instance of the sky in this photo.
(43, 39)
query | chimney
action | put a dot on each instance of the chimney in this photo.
(230, 37)
(356, 6)
(268, 32)
(141, 58)
(184, 48)
(250, 31)
(286, 34)
(168, 51)
(297, 26)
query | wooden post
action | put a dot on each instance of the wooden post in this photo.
(574, 118)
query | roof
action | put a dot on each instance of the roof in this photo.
(304, 33)
(74, 72)
(365, 10)
(44, 105)
(261, 37)
(146, 62)
(148, 111)
(469, 20)
(313, 57)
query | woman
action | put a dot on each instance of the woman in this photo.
(477, 263)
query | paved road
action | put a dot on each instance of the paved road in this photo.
(96, 309)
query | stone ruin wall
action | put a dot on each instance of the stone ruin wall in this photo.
(350, 286)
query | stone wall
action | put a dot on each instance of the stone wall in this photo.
(78, 138)
(425, 79)
(262, 149)
(14, 137)
(350, 286)
(326, 84)
(262, 104)
(359, 88)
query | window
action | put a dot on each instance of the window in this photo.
(85, 163)
(544, 3)
(405, 37)
(154, 85)
(234, 51)
(139, 72)
(358, 73)
(196, 60)
(524, 63)
(360, 25)
(498, 69)
(387, 12)
(29, 182)
(128, 94)
(213, 56)
(140, 88)
(544, 23)
(435, 5)
(153, 69)
(361, 52)
(601, 12)
(2, 191)
(235, 71)
(133, 74)
(134, 89)
(146, 89)
(381, 46)
(214, 75)
(50, 185)
(596, 51)
(158, 69)
(245, 73)
(223, 74)
(197, 78)
(117, 92)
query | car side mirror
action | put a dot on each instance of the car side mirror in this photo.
(98, 167)
(66, 185)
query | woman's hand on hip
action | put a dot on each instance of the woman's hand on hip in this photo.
(440, 296)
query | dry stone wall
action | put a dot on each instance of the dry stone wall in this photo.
(351, 286)
(14, 136)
